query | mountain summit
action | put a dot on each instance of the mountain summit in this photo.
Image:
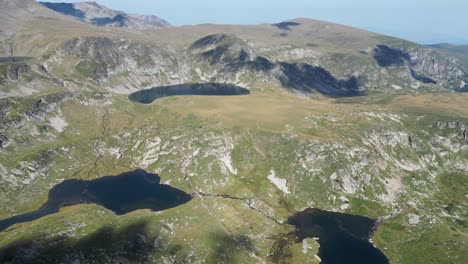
(93, 13)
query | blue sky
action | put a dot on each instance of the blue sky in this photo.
(423, 21)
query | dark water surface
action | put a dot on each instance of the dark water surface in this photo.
(343, 238)
(122, 194)
(149, 95)
(14, 59)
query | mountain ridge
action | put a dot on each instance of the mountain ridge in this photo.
(93, 13)
(305, 55)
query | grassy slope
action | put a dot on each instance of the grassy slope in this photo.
(261, 147)
(264, 125)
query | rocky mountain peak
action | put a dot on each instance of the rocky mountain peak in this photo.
(93, 13)
(222, 48)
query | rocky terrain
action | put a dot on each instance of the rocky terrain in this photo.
(318, 115)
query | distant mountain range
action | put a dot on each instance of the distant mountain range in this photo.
(93, 13)
(460, 51)
(303, 55)
(463, 49)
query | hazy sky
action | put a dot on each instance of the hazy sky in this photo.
(423, 21)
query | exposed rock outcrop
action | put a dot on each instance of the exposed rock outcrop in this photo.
(221, 48)
(423, 65)
(4, 141)
(120, 64)
(26, 78)
(13, 72)
(236, 58)
(126, 66)
(30, 110)
(460, 126)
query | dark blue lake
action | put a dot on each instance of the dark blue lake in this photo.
(122, 194)
(343, 238)
(147, 96)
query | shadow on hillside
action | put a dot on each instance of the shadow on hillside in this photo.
(421, 78)
(307, 78)
(128, 244)
(227, 247)
(387, 56)
(303, 77)
(286, 25)
(66, 9)
(103, 21)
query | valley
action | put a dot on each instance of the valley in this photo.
(264, 137)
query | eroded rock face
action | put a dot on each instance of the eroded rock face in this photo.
(410, 67)
(221, 48)
(442, 69)
(5, 105)
(13, 72)
(126, 66)
(307, 78)
(422, 65)
(451, 124)
(4, 141)
(230, 53)
(26, 78)
(37, 109)
(47, 104)
(32, 111)
(462, 128)
(133, 64)
(17, 70)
